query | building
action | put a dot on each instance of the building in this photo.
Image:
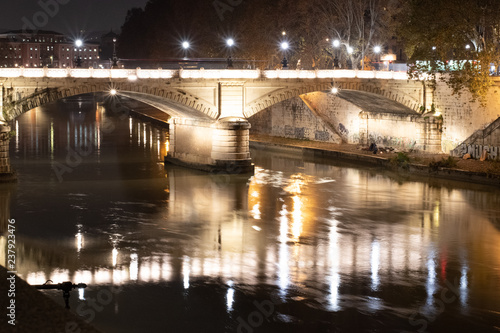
(43, 48)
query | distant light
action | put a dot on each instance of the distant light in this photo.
(328, 39)
(283, 33)
(335, 90)
(467, 46)
(377, 49)
(256, 228)
(230, 42)
(336, 43)
(113, 92)
(350, 50)
(284, 46)
(78, 43)
(433, 48)
(185, 45)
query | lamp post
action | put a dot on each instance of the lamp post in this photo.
(284, 48)
(377, 50)
(350, 51)
(185, 47)
(78, 44)
(230, 44)
(115, 58)
(336, 45)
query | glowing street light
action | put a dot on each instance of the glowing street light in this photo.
(284, 47)
(336, 45)
(350, 50)
(113, 92)
(230, 44)
(78, 44)
(377, 49)
(185, 45)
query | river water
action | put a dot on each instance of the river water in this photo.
(303, 245)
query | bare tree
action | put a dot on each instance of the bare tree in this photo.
(355, 24)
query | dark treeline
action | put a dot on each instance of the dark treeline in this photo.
(257, 27)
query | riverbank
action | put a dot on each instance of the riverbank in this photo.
(35, 312)
(434, 165)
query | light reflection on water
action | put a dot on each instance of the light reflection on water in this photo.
(336, 235)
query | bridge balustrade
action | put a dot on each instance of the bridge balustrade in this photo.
(197, 74)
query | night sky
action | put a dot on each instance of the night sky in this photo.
(69, 18)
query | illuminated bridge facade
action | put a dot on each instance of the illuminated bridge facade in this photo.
(208, 108)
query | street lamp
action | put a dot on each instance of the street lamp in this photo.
(377, 50)
(230, 44)
(115, 58)
(78, 44)
(284, 48)
(336, 45)
(185, 46)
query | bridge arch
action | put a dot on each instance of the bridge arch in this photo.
(360, 93)
(175, 102)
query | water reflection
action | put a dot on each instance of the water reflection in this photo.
(325, 236)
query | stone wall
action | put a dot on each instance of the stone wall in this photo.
(294, 119)
(325, 117)
(461, 117)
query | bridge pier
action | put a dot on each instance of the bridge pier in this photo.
(6, 173)
(217, 146)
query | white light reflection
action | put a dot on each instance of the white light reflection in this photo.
(464, 284)
(79, 241)
(431, 277)
(334, 263)
(59, 275)
(134, 267)
(185, 272)
(284, 270)
(375, 263)
(36, 278)
(114, 254)
(230, 299)
(81, 294)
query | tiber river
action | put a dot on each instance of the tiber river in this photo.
(300, 246)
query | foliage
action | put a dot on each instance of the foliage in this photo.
(401, 159)
(448, 162)
(454, 41)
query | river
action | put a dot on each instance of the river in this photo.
(302, 245)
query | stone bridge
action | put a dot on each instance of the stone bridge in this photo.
(209, 108)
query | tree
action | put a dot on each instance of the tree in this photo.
(356, 24)
(458, 40)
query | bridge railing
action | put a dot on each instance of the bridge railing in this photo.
(134, 74)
